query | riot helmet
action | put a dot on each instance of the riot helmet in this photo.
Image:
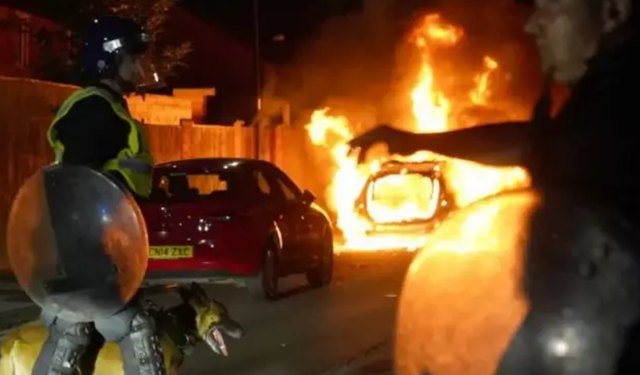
(117, 48)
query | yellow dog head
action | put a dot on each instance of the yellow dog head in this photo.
(212, 319)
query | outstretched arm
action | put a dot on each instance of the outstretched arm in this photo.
(501, 144)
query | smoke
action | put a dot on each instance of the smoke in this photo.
(360, 64)
(349, 61)
(496, 28)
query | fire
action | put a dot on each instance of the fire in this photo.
(480, 93)
(433, 111)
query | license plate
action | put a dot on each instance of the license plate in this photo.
(170, 252)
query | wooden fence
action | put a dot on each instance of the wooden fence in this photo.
(27, 108)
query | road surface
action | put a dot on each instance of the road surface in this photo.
(311, 331)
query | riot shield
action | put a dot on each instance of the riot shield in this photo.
(77, 242)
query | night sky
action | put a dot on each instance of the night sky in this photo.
(295, 20)
(298, 21)
(333, 43)
(334, 47)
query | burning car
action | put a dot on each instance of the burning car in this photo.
(394, 206)
(404, 201)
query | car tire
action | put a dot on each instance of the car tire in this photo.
(266, 284)
(322, 274)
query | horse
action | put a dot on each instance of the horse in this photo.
(198, 318)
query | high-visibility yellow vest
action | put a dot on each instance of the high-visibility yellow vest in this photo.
(138, 174)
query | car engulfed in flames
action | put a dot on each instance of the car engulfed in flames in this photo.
(443, 98)
(404, 214)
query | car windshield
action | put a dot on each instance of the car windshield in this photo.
(223, 184)
(402, 197)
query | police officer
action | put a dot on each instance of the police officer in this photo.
(582, 264)
(94, 128)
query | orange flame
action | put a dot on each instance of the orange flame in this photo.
(433, 112)
(480, 94)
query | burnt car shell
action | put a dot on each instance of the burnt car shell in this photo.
(432, 170)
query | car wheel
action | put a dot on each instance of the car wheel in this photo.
(322, 273)
(266, 284)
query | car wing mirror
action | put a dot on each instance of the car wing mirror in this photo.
(307, 198)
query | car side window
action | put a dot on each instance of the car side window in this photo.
(263, 183)
(288, 194)
(286, 189)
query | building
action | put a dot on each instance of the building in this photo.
(21, 42)
(215, 61)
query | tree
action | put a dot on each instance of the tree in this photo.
(153, 13)
(52, 65)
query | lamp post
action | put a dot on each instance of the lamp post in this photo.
(258, 73)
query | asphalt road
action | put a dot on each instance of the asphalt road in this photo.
(310, 331)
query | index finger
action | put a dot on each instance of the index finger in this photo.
(361, 156)
(352, 149)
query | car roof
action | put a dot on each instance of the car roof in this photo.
(209, 164)
(396, 166)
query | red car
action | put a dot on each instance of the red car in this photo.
(217, 219)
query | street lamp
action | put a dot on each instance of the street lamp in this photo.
(258, 73)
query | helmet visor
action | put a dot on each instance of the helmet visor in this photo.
(142, 75)
(147, 76)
